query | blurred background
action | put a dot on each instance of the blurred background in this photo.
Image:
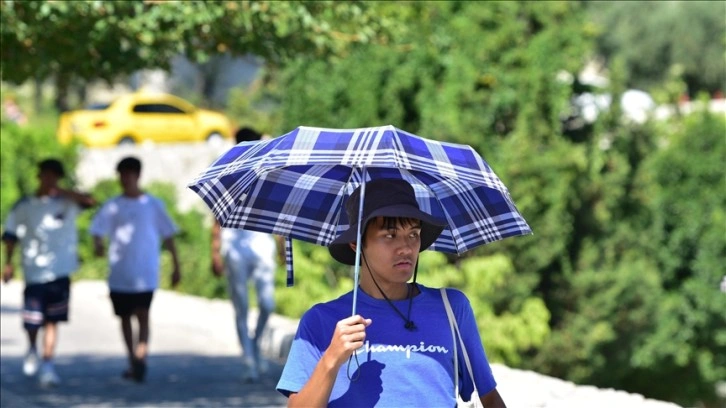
(606, 120)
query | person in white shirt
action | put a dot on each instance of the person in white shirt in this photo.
(245, 256)
(44, 226)
(136, 225)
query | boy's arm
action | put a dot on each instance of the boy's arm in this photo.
(175, 274)
(348, 337)
(217, 263)
(8, 268)
(98, 248)
(82, 199)
(492, 399)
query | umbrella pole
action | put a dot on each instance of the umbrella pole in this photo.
(356, 273)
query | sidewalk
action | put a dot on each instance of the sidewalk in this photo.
(194, 356)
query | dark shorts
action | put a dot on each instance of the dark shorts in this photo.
(125, 304)
(46, 302)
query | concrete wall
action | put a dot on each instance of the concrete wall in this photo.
(177, 163)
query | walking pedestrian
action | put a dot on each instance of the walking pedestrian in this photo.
(44, 226)
(136, 225)
(247, 257)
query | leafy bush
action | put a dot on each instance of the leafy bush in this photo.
(253, 107)
(316, 276)
(506, 335)
(683, 189)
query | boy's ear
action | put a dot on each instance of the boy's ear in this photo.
(352, 246)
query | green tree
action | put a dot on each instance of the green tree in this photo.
(636, 301)
(653, 37)
(471, 73)
(685, 191)
(85, 40)
(486, 74)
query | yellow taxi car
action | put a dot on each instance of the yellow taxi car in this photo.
(143, 117)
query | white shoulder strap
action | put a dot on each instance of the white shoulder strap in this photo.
(457, 336)
(452, 324)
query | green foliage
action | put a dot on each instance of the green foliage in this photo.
(656, 37)
(584, 297)
(506, 335)
(635, 299)
(316, 276)
(464, 74)
(256, 105)
(686, 195)
(471, 72)
(103, 39)
(608, 312)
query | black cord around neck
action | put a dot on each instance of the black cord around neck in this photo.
(409, 324)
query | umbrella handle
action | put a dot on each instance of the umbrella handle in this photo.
(356, 273)
(288, 261)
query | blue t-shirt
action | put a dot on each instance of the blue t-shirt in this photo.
(397, 367)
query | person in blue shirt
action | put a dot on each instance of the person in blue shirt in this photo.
(398, 350)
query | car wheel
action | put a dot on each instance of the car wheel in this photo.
(126, 141)
(215, 139)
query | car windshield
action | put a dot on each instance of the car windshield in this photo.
(98, 106)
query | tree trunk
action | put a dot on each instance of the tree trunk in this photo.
(37, 94)
(61, 93)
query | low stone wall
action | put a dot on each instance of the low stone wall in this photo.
(176, 163)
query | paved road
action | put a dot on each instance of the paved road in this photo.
(194, 359)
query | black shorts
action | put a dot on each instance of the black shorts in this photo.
(125, 304)
(46, 302)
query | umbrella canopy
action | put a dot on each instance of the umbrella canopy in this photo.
(296, 185)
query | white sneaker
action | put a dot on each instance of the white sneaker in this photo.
(31, 362)
(48, 376)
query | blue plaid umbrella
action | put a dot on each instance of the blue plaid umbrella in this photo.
(296, 185)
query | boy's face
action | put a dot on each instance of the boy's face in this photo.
(129, 179)
(391, 248)
(48, 178)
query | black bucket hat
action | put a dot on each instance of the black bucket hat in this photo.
(383, 198)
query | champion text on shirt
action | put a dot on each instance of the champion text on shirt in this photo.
(383, 348)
